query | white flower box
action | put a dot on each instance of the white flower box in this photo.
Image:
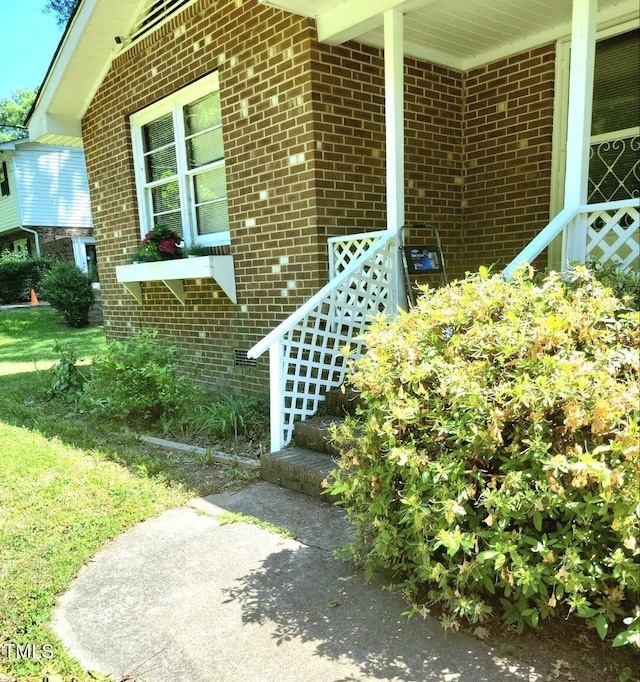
(173, 272)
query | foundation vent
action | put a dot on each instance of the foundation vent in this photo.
(242, 359)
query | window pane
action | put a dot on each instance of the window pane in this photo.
(202, 114)
(158, 133)
(161, 164)
(210, 185)
(205, 148)
(166, 197)
(616, 101)
(212, 218)
(172, 220)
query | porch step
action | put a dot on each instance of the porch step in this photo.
(338, 402)
(298, 469)
(308, 461)
(314, 434)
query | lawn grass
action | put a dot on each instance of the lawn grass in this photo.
(58, 505)
(28, 337)
(68, 484)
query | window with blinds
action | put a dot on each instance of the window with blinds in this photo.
(180, 165)
(616, 98)
(614, 166)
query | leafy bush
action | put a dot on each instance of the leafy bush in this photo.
(495, 462)
(18, 275)
(231, 417)
(625, 285)
(69, 291)
(137, 380)
(66, 379)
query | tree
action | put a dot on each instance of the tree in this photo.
(13, 112)
(63, 9)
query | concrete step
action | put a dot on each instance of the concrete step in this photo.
(314, 434)
(339, 402)
(305, 464)
(298, 469)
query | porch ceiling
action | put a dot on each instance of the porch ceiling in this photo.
(460, 34)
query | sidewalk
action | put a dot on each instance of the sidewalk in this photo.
(19, 306)
(189, 597)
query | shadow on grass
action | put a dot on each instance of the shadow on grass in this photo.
(28, 336)
(23, 404)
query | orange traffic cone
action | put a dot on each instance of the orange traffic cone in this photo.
(34, 298)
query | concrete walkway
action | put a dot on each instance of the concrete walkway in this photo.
(189, 597)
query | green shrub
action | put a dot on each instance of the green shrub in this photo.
(494, 465)
(137, 380)
(18, 275)
(66, 379)
(624, 285)
(231, 417)
(69, 291)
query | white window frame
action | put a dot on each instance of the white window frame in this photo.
(80, 252)
(175, 104)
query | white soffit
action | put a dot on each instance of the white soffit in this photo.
(78, 68)
(460, 34)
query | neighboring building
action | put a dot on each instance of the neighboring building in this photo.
(44, 202)
(271, 130)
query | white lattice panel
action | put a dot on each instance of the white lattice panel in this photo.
(614, 236)
(346, 249)
(311, 351)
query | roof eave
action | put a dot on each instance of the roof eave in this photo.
(77, 69)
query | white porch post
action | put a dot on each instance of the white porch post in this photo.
(394, 127)
(583, 45)
(276, 399)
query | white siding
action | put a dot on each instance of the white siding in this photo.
(53, 187)
(9, 205)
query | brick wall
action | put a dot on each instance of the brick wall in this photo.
(305, 158)
(508, 125)
(54, 241)
(350, 138)
(304, 147)
(260, 55)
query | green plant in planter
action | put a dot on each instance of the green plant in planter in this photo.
(196, 250)
(161, 243)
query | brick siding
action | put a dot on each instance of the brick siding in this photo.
(508, 126)
(54, 241)
(304, 146)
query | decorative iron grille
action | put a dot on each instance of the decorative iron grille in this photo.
(614, 170)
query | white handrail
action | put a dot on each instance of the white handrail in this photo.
(540, 242)
(305, 350)
(610, 205)
(286, 325)
(564, 219)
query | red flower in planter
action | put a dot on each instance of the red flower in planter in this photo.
(161, 243)
(168, 246)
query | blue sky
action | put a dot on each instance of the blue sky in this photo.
(28, 43)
